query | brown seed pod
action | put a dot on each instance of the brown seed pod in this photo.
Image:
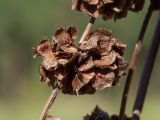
(95, 64)
(97, 114)
(107, 8)
(155, 4)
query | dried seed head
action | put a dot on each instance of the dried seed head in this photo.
(116, 117)
(97, 114)
(95, 64)
(155, 4)
(107, 8)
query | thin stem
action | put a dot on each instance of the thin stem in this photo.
(88, 28)
(49, 103)
(145, 77)
(133, 62)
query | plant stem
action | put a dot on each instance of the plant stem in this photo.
(88, 28)
(133, 62)
(49, 103)
(145, 77)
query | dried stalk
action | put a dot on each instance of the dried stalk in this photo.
(145, 77)
(49, 103)
(88, 28)
(133, 62)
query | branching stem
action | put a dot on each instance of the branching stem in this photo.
(49, 103)
(145, 77)
(88, 29)
(133, 62)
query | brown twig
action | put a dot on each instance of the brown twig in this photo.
(145, 77)
(133, 62)
(88, 28)
(49, 103)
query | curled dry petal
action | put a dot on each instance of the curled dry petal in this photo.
(89, 44)
(103, 80)
(65, 36)
(87, 66)
(44, 49)
(86, 76)
(77, 84)
(106, 60)
(69, 49)
(73, 32)
(42, 72)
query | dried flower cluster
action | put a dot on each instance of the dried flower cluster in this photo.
(155, 4)
(107, 8)
(99, 114)
(93, 65)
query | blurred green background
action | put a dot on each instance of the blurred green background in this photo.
(23, 23)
